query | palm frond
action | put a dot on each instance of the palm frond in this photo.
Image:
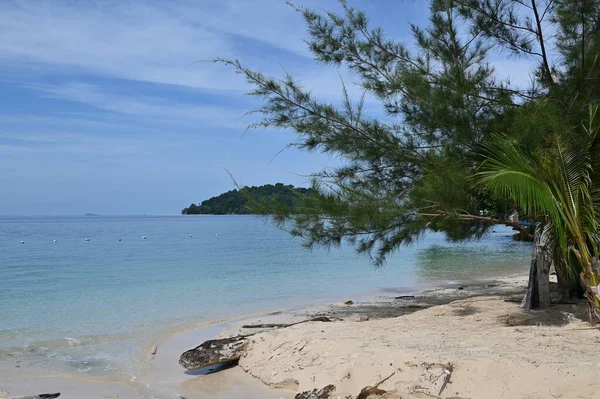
(511, 173)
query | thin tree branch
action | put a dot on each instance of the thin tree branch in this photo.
(540, 35)
(484, 219)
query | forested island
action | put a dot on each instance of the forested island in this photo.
(234, 202)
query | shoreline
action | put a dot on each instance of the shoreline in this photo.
(473, 342)
(164, 378)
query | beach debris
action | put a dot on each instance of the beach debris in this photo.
(349, 303)
(275, 325)
(368, 392)
(447, 374)
(190, 236)
(152, 352)
(40, 396)
(386, 378)
(514, 300)
(86, 240)
(120, 239)
(54, 241)
(144, 237)
(227, 350)
(213, 352)
(405, 297)
(22, 242)
(324, 393)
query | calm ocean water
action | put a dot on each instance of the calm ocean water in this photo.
(85, 306)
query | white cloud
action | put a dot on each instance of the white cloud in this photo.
(159, 42)
(154, 42)
(70, 143)
(166, 110)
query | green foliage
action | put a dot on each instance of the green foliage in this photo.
(443, 110)
(239, 202)
(558, 183)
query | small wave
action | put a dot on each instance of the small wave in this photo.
(70, 342)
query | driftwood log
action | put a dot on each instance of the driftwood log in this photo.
(214, 351)
(272, 325)
(40, 396)
(226, 350)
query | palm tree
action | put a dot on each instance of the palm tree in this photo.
(558, 184)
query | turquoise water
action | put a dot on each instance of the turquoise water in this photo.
(86, 304)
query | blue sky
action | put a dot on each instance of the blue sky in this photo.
(102, 109)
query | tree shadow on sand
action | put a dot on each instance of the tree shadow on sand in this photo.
(558, 314)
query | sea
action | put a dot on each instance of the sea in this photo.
(83, 294)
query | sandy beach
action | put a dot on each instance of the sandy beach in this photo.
(476, 335)
(485, 344)
(300, 199)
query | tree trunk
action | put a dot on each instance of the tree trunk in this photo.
(538, 288)
(565, 282)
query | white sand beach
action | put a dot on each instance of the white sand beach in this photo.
(487, 347)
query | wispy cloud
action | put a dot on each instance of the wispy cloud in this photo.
(130, 40)
(91, 86)
(153, 42)
(165, 109)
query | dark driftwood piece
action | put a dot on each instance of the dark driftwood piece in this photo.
(368, 392)
(324, 393)
(40, 396)
(274, 325)
(212, 352)
(226, 350)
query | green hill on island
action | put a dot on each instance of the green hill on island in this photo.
(233, 202)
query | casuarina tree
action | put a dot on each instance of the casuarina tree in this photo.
(409, 168)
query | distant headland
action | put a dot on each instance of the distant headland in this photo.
(233, 202)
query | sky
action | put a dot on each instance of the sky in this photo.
(104, 108)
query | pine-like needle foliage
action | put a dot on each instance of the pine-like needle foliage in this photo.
(408, 168)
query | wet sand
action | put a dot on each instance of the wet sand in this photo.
(162, 377)
(70, 387)
(166, 377)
